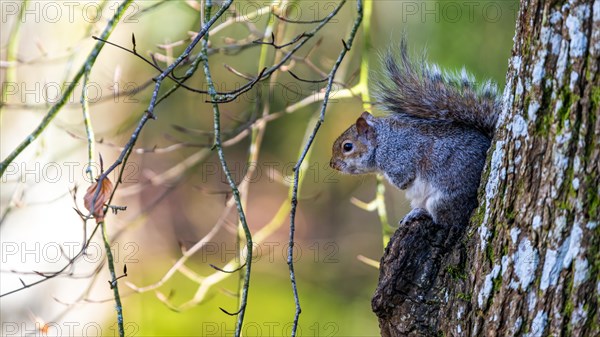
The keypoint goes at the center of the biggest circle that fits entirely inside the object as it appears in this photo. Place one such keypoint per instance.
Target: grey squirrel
(433, 142)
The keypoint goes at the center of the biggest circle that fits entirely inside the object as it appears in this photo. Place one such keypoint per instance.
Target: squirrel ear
(367, 116)
(365, 131)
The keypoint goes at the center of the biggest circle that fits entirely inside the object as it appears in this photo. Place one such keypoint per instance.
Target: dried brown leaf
(98, 207)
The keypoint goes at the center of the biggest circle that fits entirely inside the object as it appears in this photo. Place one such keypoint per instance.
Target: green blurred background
(335, 287)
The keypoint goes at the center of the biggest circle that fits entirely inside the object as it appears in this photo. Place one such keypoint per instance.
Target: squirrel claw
(414, 214)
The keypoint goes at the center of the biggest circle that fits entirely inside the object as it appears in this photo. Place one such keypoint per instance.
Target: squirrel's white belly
(422, 195)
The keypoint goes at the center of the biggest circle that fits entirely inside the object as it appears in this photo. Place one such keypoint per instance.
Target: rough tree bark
(529, 263)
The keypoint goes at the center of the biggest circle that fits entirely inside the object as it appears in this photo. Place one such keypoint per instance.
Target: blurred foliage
(325, 313)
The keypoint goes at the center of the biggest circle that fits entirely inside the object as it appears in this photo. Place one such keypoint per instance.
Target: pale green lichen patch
(488, 286)
(538, 325)
(526, 261)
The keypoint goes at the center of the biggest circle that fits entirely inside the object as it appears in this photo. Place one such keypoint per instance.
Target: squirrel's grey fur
(433, 142)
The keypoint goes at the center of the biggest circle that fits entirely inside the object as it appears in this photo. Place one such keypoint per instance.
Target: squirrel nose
(334, 164)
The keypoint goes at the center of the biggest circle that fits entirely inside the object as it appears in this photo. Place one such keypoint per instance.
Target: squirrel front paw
(414, 214)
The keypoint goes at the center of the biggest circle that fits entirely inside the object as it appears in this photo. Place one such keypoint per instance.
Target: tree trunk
(529, 263)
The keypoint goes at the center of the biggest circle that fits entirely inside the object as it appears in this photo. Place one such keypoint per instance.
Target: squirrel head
(353, 152)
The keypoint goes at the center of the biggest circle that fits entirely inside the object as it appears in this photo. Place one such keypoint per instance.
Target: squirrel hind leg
(452, 211)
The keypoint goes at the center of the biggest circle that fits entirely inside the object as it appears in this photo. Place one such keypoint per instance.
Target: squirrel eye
(347, 147)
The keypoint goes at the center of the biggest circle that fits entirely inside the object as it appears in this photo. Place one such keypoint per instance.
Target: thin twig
(89, 130)
(113, 282)
(238, 92)
(91, 59)
(294, 202)
(284, 19)
(47, 276)
(227, 271)
(232, 185)
(280, 46)
(307, 81)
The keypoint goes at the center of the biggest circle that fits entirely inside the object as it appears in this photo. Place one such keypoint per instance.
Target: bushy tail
(417, 90)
